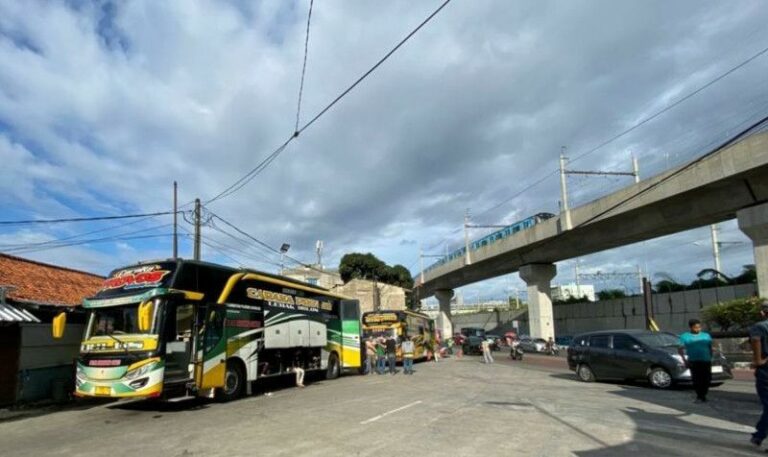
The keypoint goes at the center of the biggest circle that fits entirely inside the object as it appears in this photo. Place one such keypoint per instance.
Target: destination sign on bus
(382, 318)
(135, 278)
(281, 299)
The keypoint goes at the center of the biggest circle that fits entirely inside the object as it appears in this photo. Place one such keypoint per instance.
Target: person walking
(407, 348)
(380, 355)
(486, 346)
(370, 355)
(697, 346)
(758, 339)
(391, 349)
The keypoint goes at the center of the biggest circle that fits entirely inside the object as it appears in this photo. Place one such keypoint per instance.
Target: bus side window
(350, 310)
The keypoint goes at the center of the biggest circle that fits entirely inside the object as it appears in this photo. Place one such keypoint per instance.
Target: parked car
(636, 355)
(529, 344)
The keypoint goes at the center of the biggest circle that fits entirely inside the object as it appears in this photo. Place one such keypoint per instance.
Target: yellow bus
(400, 324)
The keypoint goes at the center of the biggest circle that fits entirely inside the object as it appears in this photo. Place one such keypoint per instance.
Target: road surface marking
(375, 418)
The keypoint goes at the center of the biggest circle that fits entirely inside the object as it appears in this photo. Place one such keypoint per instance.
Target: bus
(399, 324)
(179, 328)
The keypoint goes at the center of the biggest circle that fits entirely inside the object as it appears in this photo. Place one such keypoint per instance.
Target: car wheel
(660, 378)
(234, 383)
(585, 373)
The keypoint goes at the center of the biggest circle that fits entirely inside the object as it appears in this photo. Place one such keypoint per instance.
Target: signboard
(137, 279)
(371, 319)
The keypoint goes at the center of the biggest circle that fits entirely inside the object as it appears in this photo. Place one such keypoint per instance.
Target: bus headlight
(139, 372)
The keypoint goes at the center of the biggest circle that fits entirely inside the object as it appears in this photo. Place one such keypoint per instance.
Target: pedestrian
(436, 349)
(758, 339)
(407, 348)
(696, 351)
(370, 355)
(298, 370)
(380, 355)
(391, 349)
(486, 346)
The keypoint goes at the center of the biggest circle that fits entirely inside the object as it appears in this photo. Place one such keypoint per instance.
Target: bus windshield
(117, 320)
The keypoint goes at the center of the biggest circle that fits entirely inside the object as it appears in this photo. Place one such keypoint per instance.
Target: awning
(10, 313)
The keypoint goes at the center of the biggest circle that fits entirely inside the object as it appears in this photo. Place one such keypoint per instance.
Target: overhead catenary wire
(304, 66)
(248, 177)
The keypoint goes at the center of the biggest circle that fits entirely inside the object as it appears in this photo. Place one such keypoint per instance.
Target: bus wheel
(334, 369)
(234, 383)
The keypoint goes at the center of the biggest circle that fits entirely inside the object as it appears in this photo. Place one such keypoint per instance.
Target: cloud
(104, 105)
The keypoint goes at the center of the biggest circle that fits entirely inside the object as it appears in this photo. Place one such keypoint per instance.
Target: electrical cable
(240, 183)
(83, 219)
(304, 67)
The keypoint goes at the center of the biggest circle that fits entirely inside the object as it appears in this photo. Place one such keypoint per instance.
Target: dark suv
(634, 355)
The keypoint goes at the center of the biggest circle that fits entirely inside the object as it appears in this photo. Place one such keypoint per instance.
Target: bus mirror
(59, 322)
(145, 316)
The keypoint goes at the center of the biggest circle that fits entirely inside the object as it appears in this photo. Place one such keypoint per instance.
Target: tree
(733, 315)
(709, 277)
(367, 266)
(361, 266)
(748, 275)
(610, 294)
(668, 283)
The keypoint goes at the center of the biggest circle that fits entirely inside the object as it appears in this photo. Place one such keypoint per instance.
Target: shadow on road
(674, 435)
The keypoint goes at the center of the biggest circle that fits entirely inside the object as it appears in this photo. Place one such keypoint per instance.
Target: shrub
(737, 314)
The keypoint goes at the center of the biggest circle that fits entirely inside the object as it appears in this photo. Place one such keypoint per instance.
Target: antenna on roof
(319, 249)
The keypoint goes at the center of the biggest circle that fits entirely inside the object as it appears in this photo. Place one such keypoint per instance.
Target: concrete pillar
(540, 320)
(444, 323)
(754, 223)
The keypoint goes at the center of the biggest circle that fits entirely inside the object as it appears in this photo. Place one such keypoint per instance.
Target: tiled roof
(44, 284)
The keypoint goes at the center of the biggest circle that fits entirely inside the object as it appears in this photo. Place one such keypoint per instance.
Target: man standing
(370, 355)
(486, 346)
(407, 348)
(391, 347)
(758, 338)
(697, 345)
(380, 355)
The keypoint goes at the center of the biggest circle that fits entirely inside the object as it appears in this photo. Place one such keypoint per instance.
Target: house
(34, 366)
(373, 295)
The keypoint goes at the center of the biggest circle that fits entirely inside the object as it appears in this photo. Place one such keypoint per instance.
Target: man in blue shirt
(758, 338)
(697, 346)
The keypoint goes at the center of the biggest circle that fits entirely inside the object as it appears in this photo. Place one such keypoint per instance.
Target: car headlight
(139, 372)
(680, 361)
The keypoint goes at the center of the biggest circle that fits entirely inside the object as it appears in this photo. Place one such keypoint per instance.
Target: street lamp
(283, 249)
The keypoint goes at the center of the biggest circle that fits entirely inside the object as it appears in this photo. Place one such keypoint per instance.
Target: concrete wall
(671, 310)
(389, 297)
(496, 322)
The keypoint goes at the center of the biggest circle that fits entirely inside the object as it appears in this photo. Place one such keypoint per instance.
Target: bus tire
(234, 382)
(334, 369)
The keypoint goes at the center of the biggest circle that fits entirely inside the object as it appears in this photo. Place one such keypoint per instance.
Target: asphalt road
(454, 408)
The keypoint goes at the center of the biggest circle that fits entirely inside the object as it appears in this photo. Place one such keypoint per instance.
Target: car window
(599, 341)
(623, 342)
(580, 341)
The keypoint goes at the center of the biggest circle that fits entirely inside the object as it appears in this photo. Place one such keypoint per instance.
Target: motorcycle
(516, 353)
(553, 350)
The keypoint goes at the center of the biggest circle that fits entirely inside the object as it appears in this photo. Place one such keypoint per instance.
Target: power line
(53, 244)
(248, 177)
(83, 219)
(669, 107)
(304, 67)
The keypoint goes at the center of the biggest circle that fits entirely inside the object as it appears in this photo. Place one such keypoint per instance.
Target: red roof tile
(45, 284)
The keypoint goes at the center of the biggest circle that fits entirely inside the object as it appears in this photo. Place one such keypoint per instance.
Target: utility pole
(319, 247)
(565, 213)
(640, 278)
(421, 263)
(635, 169)
(578, 284)
(715, 247)
(196, 255)
(468, 259)
(175, 221)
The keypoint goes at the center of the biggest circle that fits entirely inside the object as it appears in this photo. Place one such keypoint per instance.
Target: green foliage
(667, 285)
(748, 275)
(610, 294)
(571, 300)
(736, 314)
(367, 266)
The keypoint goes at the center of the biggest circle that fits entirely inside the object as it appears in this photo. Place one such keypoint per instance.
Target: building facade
(567, 291)
(34, 366)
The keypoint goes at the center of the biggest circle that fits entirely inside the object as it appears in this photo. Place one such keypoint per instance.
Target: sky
(104, 104)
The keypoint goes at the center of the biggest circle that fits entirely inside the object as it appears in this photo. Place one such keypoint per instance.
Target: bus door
(211, 348)
(351, 353)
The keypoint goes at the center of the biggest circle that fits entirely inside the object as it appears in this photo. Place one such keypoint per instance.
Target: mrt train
(493, 237)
